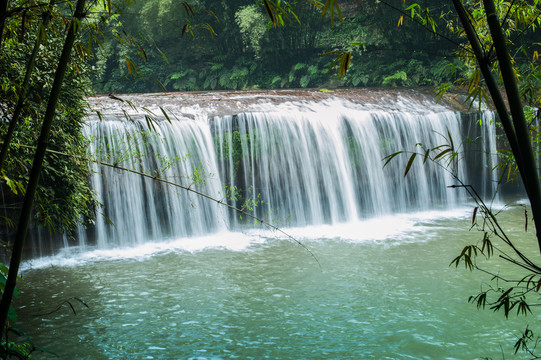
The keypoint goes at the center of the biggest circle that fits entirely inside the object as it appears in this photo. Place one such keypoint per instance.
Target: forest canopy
(164, 47)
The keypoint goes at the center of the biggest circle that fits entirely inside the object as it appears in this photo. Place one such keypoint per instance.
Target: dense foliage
(64, 197)
(239, 48)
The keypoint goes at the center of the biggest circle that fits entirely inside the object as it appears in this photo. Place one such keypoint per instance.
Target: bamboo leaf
(325, 7)
(45, 351)
(345, 60)
(388, 158)
(162, 87)
(163, 54)
(148, 111)
(295, 16)
(100, 116)
(410, 162)
(150, 122)
(270, 12)
(212, 13)
(165, 114)
(427, 153)
(441, 154)
(72, 308)
(450, 140)
(317, 4)
(131, 66)
(333, 64)
(188, 9)
(333, 52)
(337, 7)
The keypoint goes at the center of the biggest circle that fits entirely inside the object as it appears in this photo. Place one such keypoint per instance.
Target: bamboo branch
(188, 189)
(525, 153)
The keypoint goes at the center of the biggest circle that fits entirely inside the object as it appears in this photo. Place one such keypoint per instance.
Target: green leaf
(317, 4)
(162, 87)
(3, 269)
(165, 114)
(16, 331)
(188, 9)
(150, 122)
(12, 315)
(388, 158)
(270, 13)
(474, 215)
(332, 6)
(344, 64)
(442, 154)
(410, 162)
(427, 153)
(450, 139)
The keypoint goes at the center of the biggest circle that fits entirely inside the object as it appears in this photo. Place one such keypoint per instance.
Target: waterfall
(140, 208)
(292, 162)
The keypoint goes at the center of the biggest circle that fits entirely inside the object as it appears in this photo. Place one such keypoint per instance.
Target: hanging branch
(189, 189)
(3, 16)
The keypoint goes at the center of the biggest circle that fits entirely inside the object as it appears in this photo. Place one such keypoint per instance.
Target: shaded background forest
(247, 52)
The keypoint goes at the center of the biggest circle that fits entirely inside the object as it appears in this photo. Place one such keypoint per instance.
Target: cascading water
(139, 207)
(294, 162)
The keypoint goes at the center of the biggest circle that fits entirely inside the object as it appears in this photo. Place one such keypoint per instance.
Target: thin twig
(189, 189)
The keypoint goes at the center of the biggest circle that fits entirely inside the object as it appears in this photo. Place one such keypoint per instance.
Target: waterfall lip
(188, 105)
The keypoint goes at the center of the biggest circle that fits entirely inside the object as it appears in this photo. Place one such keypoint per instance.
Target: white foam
(397, 228)
(373, 229)
(73, 256)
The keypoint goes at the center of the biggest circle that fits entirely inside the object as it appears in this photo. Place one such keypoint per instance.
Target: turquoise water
(386, 294)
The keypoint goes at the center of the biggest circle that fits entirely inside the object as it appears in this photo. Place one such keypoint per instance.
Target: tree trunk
(3, 17)
(37, 165)
(515, 127)
(23, 92)
(525, 152)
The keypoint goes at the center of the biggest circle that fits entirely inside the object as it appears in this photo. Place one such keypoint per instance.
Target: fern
(216, 66)
(298, 66)
(305, 80)
(275, 80)
(312, 70)
(224, 79)
(393, 79)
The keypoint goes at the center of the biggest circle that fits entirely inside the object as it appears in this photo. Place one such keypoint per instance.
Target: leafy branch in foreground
(37, 163)
(189, 28)
(243, 210)
(503, 294)
(220, 202)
